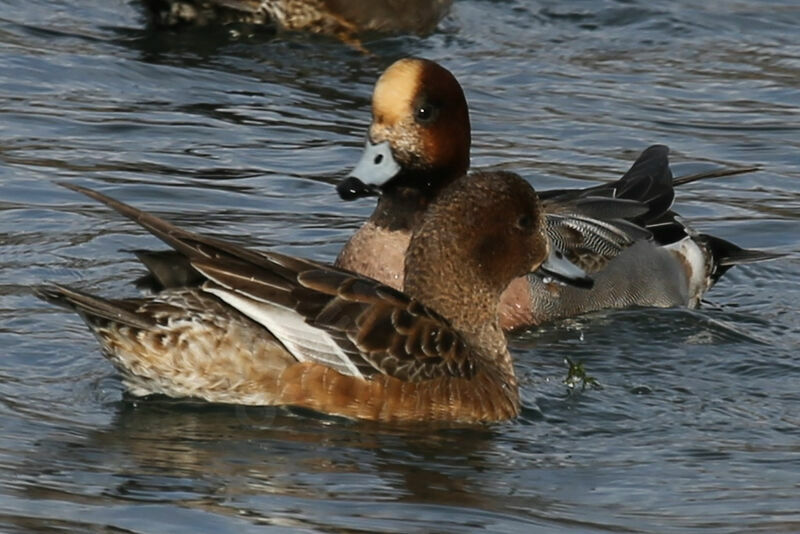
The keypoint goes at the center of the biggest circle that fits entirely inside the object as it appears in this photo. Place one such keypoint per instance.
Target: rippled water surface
(697, 424)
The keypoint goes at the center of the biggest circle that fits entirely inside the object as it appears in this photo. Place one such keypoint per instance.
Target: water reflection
(231, 460)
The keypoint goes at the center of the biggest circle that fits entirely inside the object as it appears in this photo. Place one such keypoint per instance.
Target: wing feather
(350, 323)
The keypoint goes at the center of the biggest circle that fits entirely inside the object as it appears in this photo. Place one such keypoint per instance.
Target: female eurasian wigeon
(623, 233)
(269, 329)
(341, 18)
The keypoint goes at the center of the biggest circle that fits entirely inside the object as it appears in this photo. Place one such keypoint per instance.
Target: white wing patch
(305, 342)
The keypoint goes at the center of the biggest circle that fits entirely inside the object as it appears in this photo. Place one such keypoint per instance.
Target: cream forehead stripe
(395, 91)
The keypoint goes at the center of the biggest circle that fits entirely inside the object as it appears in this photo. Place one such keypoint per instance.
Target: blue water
(697, 425)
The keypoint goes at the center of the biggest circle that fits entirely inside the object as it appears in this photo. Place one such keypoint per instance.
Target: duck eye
(425, 113)
(525, 222)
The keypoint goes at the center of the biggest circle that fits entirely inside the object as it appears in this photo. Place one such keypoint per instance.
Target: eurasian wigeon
(269, 329)
(622, 233)
(344, 19)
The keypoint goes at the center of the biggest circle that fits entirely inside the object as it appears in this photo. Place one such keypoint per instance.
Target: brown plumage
(270, 329)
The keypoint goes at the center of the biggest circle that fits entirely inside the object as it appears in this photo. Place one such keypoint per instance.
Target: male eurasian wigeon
(623, 233)
(341, 18)
(268, 329)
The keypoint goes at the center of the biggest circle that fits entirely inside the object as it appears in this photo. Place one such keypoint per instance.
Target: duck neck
(401, 208)
(457, 291)
(406, 197)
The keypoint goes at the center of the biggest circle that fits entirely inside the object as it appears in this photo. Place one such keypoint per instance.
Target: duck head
(419, 138)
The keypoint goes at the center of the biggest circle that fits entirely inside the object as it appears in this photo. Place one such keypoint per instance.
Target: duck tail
(92, 308)
(718, 173)
(726, 254)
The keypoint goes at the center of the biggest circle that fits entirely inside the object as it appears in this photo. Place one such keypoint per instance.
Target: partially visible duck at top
(622, 233)
(263, 328)
(344, 19)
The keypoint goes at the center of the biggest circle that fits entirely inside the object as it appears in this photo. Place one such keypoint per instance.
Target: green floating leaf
(577, 376)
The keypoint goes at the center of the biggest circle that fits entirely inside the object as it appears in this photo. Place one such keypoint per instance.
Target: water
(697, 424)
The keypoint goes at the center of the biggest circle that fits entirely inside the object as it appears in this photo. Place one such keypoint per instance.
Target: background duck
(624, 234)
(340, 18)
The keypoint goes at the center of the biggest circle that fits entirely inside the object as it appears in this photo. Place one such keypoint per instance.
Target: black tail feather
(726, 254)
(718, 173)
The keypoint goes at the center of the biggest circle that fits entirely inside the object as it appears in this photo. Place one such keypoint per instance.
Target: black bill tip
(352, 188)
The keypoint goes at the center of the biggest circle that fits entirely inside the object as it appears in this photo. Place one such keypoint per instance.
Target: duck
(270, 329)
(344, 19)
(624, 234)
